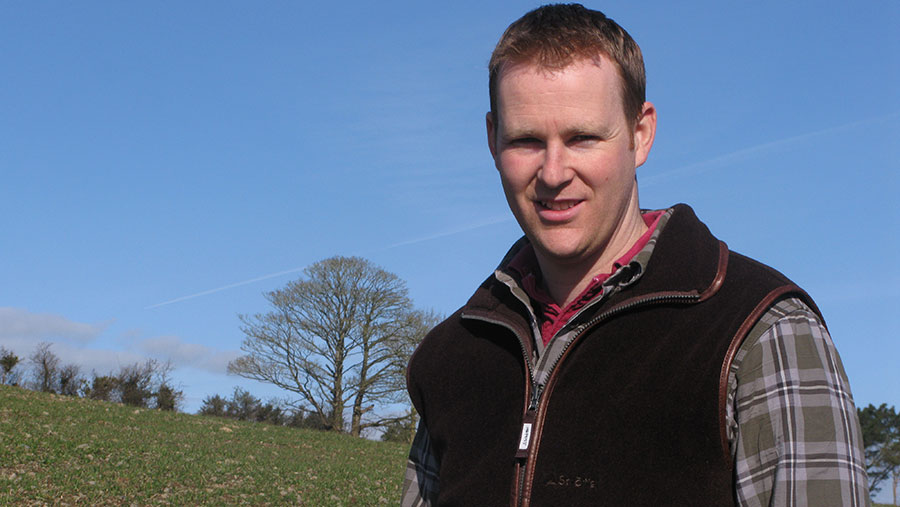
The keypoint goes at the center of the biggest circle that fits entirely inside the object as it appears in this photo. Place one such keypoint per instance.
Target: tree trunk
(896, 481)
(357, 418)
(337, 404)
(413, 425)
(356, 421)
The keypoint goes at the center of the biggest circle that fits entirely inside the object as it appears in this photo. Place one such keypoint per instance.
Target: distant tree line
(145, 385)
(881, 436)
(243, 406)
(148, 385)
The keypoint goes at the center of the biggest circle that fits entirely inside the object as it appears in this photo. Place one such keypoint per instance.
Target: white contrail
(225, 287)
(744, 153)
(458, 230)
(499, 219)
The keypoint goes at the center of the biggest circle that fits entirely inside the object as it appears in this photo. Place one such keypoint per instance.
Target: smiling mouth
(558, 205)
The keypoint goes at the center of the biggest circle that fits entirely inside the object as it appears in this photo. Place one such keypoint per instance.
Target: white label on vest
(526, 436)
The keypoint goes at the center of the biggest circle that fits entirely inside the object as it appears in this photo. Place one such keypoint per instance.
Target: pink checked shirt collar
(552, 318)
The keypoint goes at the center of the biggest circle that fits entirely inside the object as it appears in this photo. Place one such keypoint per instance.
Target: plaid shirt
(792, 425)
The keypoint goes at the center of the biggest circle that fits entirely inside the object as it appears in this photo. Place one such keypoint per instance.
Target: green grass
(63, 450)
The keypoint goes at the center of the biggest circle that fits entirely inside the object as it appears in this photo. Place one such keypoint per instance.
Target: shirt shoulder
(792, 423)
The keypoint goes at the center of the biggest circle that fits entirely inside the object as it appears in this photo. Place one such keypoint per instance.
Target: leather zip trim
(720, 273)
(761, 308)
(516, 491)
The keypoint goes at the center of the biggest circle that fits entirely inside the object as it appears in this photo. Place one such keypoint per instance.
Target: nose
(555, 172)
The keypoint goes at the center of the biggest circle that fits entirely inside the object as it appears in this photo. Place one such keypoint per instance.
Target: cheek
(513, 188)
(510, 163)
(613, 172)
(514, 175)
(514, 199)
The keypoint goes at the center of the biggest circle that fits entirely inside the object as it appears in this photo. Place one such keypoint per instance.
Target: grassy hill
(63, 450)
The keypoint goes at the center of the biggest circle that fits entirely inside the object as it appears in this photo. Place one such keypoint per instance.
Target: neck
(566, 279)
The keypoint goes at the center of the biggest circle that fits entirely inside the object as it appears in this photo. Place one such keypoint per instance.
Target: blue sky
(163, 164)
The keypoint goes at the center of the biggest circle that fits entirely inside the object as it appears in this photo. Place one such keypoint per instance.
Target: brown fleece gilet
(632, 414)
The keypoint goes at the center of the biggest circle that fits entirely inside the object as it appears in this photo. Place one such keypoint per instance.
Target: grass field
(63, 450)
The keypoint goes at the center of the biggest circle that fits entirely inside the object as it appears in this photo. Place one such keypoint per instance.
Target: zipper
(525, 440)
(528, 422)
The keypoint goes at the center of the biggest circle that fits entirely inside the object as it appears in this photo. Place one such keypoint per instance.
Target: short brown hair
(555, 36)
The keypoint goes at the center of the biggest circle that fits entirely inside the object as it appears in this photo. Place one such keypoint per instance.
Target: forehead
(585, 83)
(551, 63)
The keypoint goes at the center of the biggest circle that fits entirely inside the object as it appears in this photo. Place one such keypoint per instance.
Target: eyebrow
(602, 131)
(514, 133)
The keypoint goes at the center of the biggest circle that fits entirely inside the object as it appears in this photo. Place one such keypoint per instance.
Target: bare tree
(44, 367)
(8, 361)
(333, 338)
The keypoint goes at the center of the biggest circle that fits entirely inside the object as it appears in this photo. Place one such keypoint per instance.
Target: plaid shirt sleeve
(421, 481)
(793, 427)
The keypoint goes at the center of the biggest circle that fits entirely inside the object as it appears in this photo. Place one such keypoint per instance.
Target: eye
(525, 142)
(582, 139)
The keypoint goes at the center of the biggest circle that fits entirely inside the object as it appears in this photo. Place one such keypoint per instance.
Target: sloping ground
(63, 450)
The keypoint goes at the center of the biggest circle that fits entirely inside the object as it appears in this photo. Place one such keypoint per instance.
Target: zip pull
(528, 423)
(525, 437)
(535, 397)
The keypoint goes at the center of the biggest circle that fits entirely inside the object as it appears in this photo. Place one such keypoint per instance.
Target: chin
(558, 251)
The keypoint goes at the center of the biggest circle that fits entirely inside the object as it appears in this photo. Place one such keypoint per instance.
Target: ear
(491, 134)
(644, 133)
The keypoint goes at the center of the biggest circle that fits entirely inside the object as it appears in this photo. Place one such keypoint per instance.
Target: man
(619, 356)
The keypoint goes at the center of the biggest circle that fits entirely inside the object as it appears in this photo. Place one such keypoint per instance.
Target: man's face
(567, 159)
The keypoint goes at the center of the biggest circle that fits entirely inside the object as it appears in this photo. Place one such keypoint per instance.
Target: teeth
(558, 205)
